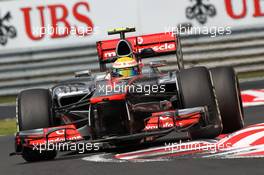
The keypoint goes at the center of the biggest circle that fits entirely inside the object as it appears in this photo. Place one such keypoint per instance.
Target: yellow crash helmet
(125, 67)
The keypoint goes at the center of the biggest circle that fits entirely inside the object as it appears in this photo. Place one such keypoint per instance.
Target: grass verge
(250, 75)
(7, 126)
(8, 100)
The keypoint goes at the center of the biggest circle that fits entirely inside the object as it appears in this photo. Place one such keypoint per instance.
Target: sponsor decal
(60, 26)
(200, 11)
(57, 23)
(7, 31)
(159, 122)
(240, 14)
(166, 47)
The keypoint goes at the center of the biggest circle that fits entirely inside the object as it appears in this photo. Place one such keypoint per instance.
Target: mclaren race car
(130, 101)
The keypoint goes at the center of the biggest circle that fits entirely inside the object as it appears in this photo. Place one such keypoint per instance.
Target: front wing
(160, 125)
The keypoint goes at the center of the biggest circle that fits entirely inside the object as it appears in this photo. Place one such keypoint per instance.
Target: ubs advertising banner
(33, 24)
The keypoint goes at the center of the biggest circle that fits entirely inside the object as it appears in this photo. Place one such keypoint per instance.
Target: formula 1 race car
(132, 102)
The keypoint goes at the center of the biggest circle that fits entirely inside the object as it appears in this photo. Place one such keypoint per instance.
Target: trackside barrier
(43, 68)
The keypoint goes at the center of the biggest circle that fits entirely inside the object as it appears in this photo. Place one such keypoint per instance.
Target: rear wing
(160, 43)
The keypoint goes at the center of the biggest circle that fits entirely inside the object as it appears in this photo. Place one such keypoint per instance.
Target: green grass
(251, 75)
(8, 100)
(7, 127)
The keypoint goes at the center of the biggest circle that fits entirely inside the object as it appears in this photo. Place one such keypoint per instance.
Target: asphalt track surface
(73, 164)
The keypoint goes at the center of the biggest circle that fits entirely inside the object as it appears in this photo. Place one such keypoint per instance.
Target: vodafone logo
(167, 125)
(60, 132)
(151, 127)
(140, 40)
(164, 118)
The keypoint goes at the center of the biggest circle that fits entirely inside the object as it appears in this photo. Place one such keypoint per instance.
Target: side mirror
(149, 52)
(85, 73)
(160, 63)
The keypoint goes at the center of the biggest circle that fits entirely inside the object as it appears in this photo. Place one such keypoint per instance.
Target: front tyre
(31, 155)
(34, 112)
(196, 90)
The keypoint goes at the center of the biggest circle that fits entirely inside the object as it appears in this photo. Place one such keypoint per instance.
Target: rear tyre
(34, 112)
(196, 89)
(229, 98)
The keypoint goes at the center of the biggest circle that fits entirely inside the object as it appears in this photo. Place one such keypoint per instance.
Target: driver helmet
(125, 67)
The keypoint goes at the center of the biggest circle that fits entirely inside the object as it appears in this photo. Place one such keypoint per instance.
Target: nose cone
(123, 48)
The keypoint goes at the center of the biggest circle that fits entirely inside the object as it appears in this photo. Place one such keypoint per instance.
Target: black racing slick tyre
(31, 155)
(34, 109)
(196, 89)
(34, 112)
(229, 98)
